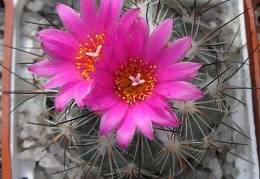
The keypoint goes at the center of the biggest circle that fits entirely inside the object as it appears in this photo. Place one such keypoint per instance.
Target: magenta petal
(183, 71)
(126, 130)
(101, 99)
(120, 42)
(164, 117)
(128, 17)
(64, 96)
(109, 12)
(117, 58)
(175, 52)
(103, 14)
(157, 101)
(121, 38)
(72, 22)
(165, 123)
(112, 118)
(81, 91)
(58, 44)
(160, 116)
(142, 121)
(62, 79)
(158, 40)
(179, 90)
(88, 13)
(138, 37)
(103, 78)
(48, 68)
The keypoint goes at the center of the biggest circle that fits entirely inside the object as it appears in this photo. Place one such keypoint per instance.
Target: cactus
(175, 152)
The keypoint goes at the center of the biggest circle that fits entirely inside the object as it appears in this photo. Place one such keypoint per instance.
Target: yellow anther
(135, 80)
(89, 52)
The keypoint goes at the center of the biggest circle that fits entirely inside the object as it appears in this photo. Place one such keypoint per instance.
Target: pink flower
(74, 52)
(134, 81)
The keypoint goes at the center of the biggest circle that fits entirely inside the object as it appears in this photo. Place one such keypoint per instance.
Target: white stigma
(136, 80)
(96, 53)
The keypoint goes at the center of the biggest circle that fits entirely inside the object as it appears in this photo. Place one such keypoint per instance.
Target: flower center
(135, 80)
(89, 53)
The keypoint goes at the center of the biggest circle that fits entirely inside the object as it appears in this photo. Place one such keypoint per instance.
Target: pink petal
(72, 22)
(158, 40)
(160, 116)
(103, 14)
(164, 117)
(105, 62)
(175, 52)
(126, 130)
(128, 17)
(119, 46)
(81, 91)
(142, 121)
(183, 71)
(112, 118)
(157, 101)
(103, 78)
(59, 44)
(138, 38)
(109, 13)
(62, 79)
(88, 13)
(48, 68)
(64, 96)
(179, 90)
(120, 42)
(101, 99)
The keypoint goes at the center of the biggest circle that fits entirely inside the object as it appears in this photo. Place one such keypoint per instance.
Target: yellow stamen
(131, 88)
(89, 53)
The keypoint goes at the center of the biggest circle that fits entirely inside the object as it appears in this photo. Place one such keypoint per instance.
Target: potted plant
(212, 132)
